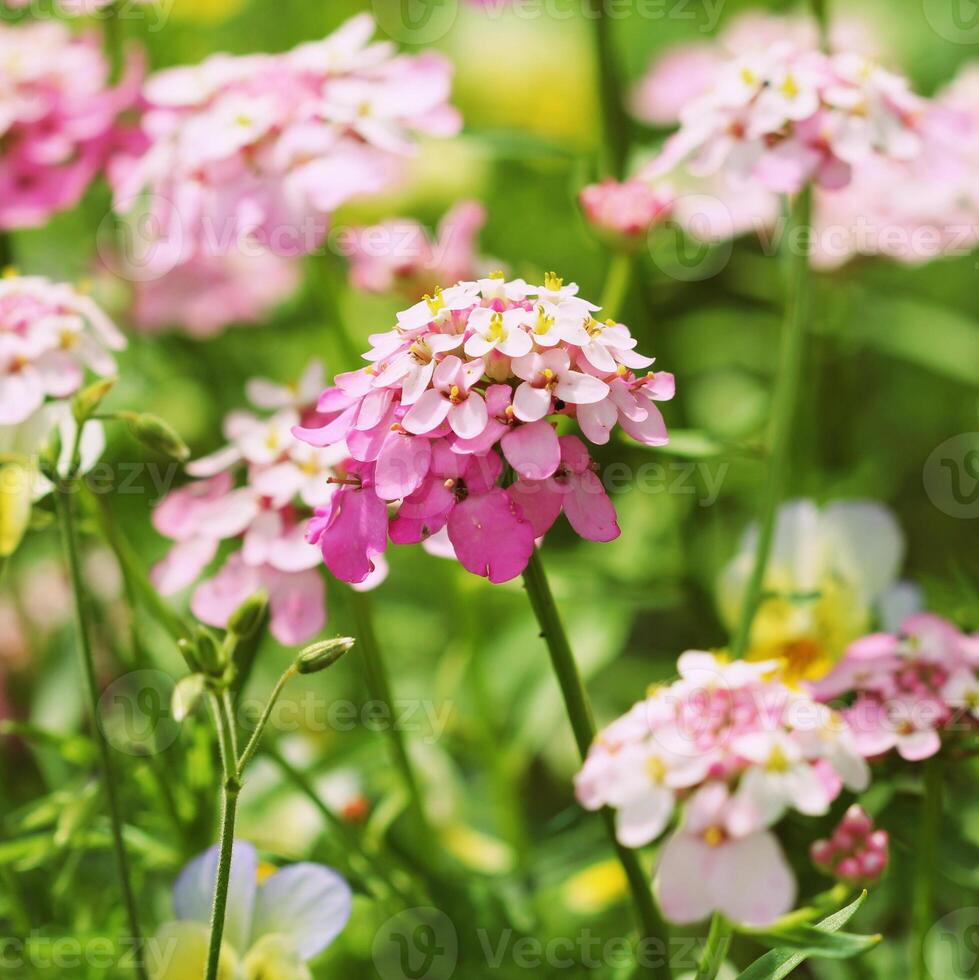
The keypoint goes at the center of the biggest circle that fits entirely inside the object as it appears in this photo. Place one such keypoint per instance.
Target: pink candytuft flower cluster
(267, 146)
(212, 292)
(400, 256)
(58, 118)
(906, 687)
(451, 429)
(789, 115)
(625, 209)
(733, 749)
(266, 515)
(856, 853)
(50, 335)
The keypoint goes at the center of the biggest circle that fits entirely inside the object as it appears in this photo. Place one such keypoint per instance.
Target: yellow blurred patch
(179, 952)
(15, 505)
(596, 888)
(265, 870)
(206, 11)
(477, 850)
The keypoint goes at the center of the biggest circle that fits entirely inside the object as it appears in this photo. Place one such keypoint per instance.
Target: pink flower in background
(58, 118)
(470, 381)
(400, 255)
(266, 147)
(267, 515)
(685, 72)
(908, 687)
(625, 208)
(787, 115)
(51, 335)
(211, 292)
(856, 853)
(734, 749)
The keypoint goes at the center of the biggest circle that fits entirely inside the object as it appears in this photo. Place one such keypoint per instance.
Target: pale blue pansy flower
(274, 925)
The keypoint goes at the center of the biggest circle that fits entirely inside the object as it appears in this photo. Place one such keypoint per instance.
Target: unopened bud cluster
(856, 853)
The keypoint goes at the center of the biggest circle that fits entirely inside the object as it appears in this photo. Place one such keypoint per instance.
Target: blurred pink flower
(627, 209)
(907, 687)
(786, 116)
(473, 377)
(736, 749)
(267, 516)
(58, 118)
(400, 255)
(266, 147)
(210, 292)
(50, 335)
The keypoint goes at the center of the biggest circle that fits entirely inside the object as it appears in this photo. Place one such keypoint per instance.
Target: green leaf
(781, 962)
(941, 340)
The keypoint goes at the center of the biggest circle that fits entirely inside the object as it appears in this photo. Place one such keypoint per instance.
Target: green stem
(379, 686)
(784, 401)
(231, 790)
(820, 12)
(579, 712)
(114, 42)
(66, 517)
(8, 260)
(256, 738)
(715, 952)
(617, 282)
(928, 831)
(615, 122)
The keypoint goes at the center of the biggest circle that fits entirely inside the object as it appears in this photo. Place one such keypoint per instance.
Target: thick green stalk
(582, 721)
(928, 830)
(715, 952)
(66, 518)
(379, 686)
(784, 401)
(617, 283)
(231, 791)
(820, 12)
(615, 121)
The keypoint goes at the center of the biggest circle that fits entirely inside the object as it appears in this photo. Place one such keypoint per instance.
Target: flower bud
(156, 434)
(189, 652)
(210, 655)
(89, 399)
(856, 853)
(248, 617)
(319, 656)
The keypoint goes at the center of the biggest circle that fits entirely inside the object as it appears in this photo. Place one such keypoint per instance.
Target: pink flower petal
(589, 510)
(402, 465)
(428, 413)
(532, 450)
(490, 536)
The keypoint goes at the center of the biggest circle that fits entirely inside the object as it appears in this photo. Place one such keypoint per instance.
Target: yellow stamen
(548, 374)
(655, 769)
(435, 302)
(748, 76)
(790, 88)
(621, 369)
(495, 331)
(777, 762)
(553, 282)
(499, 274)
(454, 393)
(713, 836)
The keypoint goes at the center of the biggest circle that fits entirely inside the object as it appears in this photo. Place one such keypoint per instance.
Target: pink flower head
(788, 115)
(267, 147)
(58, 118)
(856, 853)
(734, 749)
(50, 336)
(210, 292)
(907, 687)
(260, 492)
(400, 255)
(453, 426)
(625, 209)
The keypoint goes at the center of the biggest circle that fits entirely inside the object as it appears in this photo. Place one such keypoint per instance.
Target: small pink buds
(857, 853)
